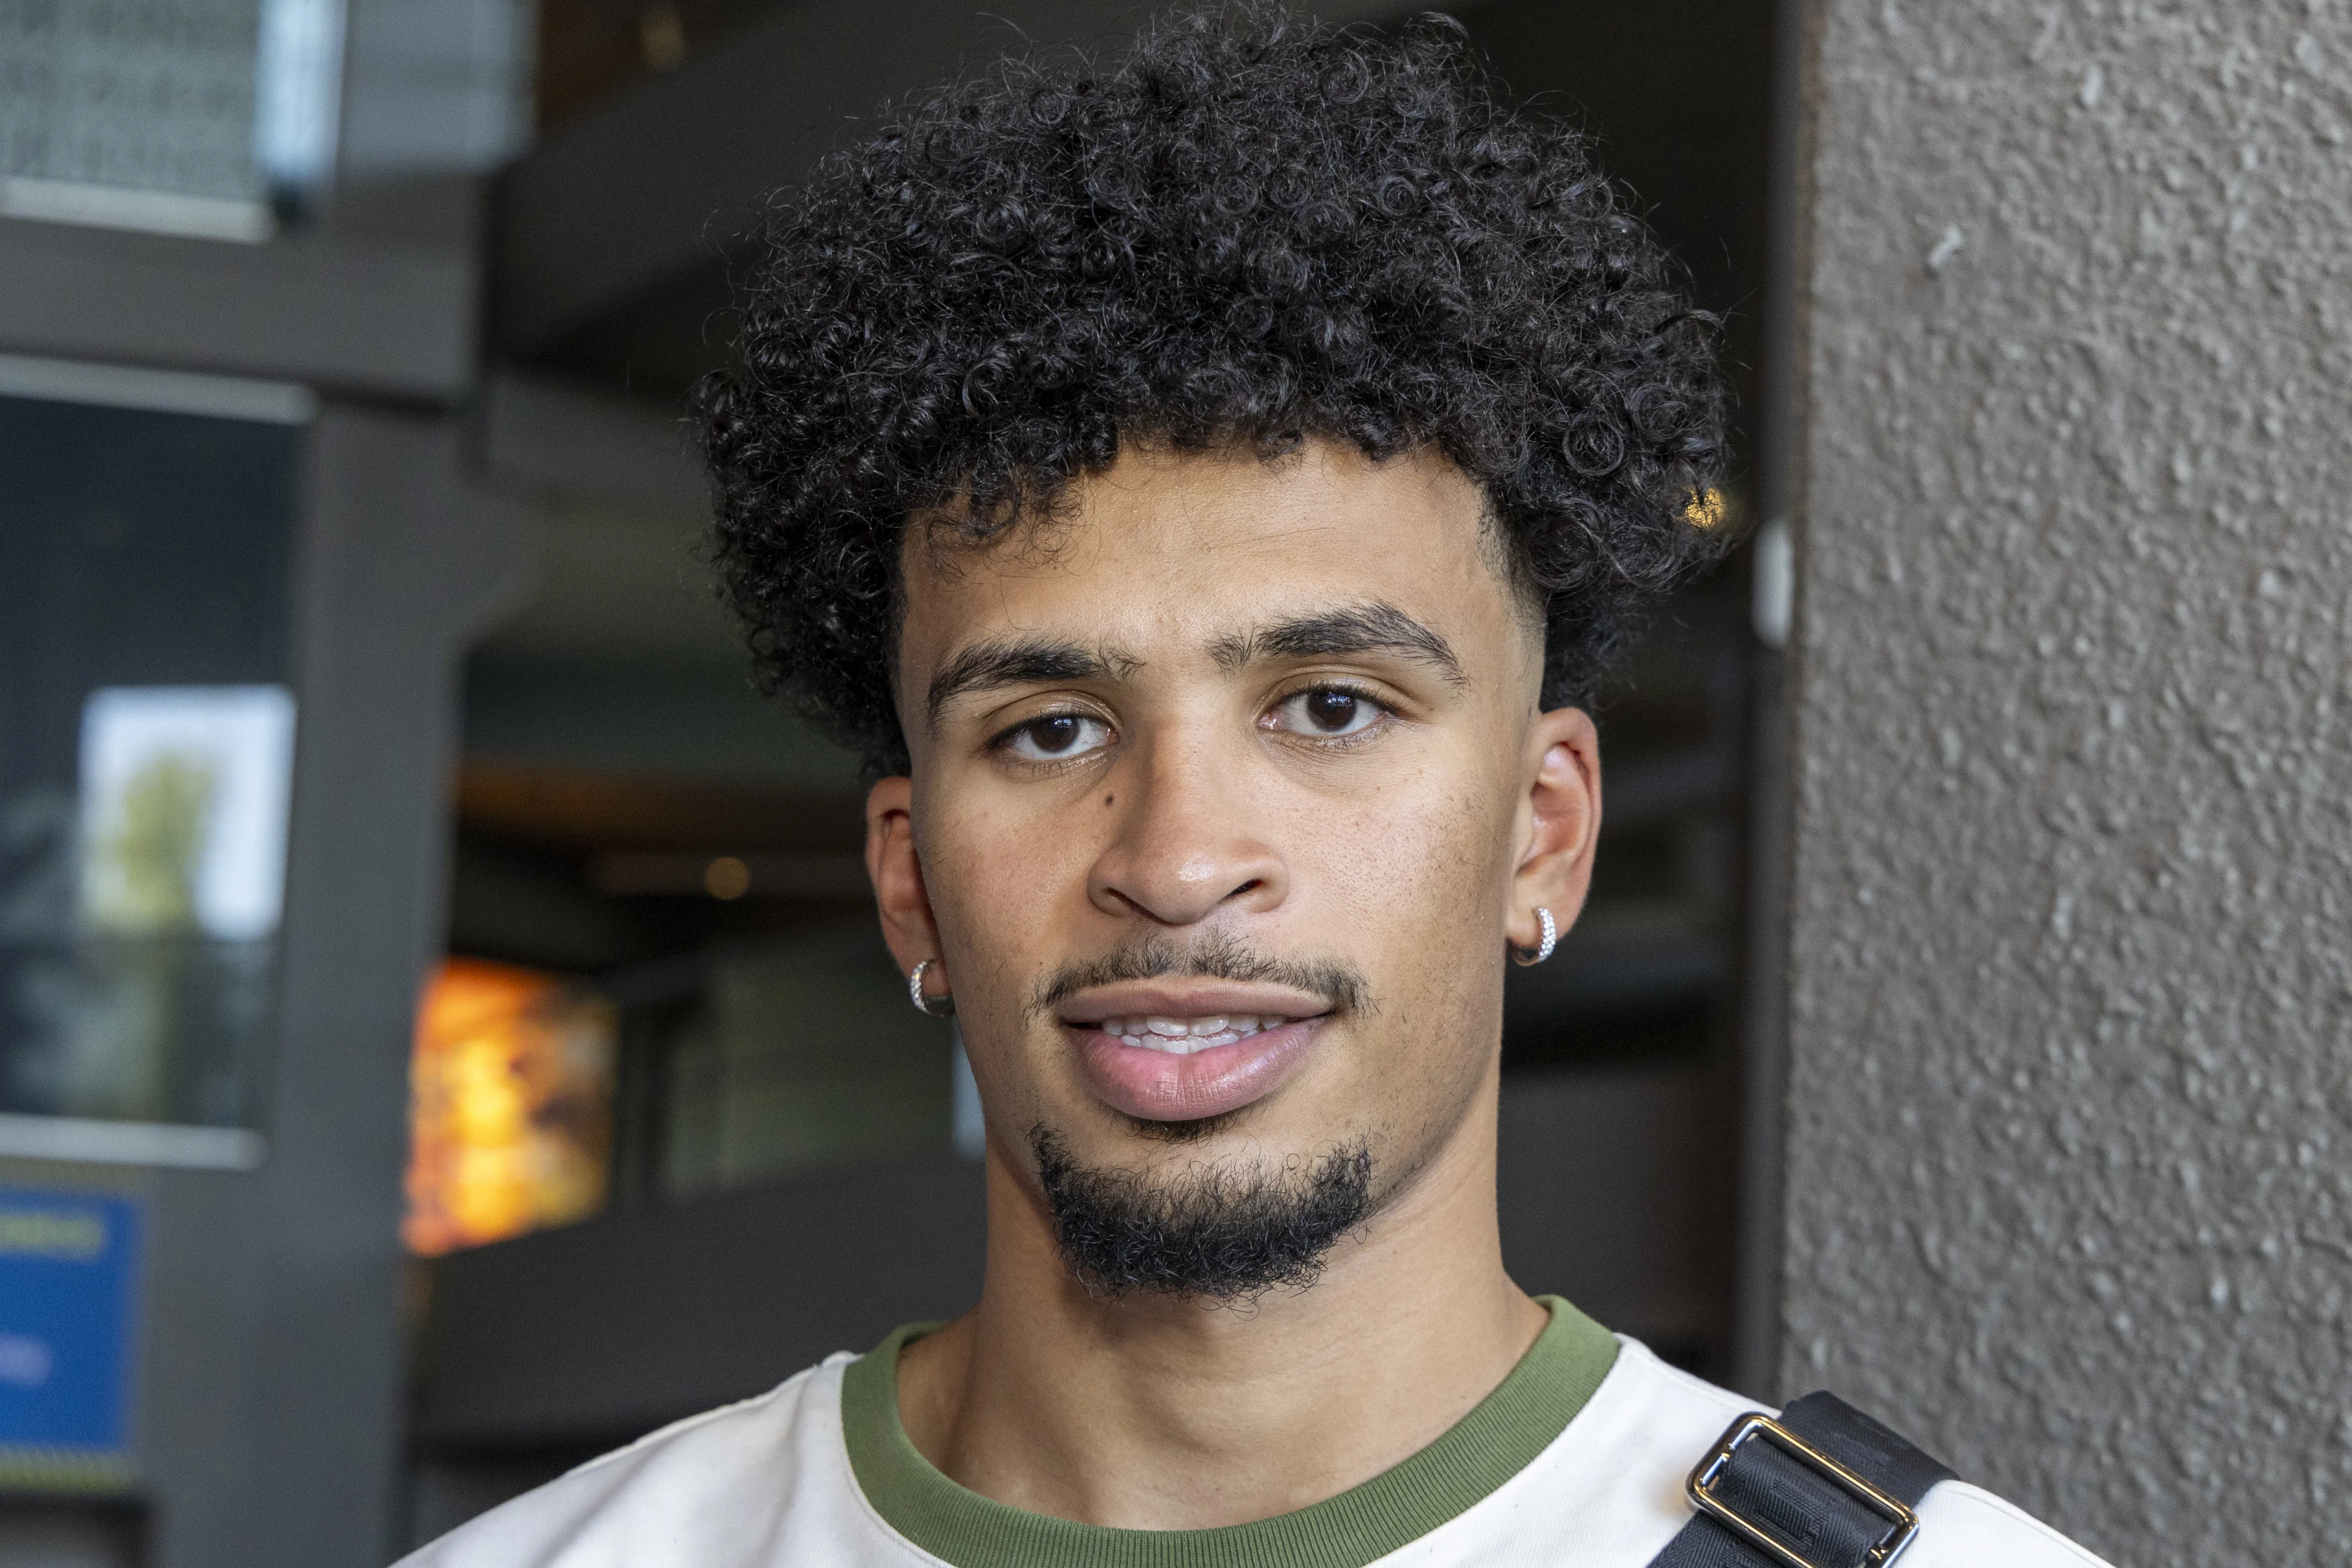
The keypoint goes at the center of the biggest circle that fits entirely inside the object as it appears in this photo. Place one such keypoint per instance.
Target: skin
(1185, 789)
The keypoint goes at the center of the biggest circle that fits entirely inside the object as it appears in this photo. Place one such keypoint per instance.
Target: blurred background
(443, 1028)
(443, 1032)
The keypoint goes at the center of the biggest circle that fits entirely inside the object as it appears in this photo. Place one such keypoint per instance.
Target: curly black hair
(1251, 230)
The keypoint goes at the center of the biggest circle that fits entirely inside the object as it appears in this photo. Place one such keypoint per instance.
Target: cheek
(1410, 897)
(1415, 867)
(999, 881)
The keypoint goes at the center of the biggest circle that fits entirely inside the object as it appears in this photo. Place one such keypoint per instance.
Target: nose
(1184, 843)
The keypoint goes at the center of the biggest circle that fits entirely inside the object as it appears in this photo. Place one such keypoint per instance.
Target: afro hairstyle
(1249, 230)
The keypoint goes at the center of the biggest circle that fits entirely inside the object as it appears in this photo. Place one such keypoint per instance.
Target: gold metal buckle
(1902, 1523)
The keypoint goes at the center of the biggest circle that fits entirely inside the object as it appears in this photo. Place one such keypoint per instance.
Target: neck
(1167, 1414)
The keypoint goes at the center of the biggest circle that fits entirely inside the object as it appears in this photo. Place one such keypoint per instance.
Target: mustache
(1220, 955)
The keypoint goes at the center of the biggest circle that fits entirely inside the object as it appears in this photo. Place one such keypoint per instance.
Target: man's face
(1226, 790)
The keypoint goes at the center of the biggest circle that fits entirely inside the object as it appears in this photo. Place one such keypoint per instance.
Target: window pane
(146, 746)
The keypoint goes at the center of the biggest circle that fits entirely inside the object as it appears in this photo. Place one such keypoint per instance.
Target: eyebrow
(1374, 627)
(1377, 626)
(1023, 661)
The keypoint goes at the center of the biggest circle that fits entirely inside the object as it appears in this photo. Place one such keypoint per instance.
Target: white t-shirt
(769, 1482)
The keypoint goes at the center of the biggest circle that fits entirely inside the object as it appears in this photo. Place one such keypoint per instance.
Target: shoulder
(702, 1492)
(1616, 1476)
(1961, 1526)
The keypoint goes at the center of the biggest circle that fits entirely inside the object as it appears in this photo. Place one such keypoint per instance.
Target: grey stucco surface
(2070, 1159)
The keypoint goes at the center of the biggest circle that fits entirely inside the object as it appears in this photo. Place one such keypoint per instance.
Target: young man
(1209, 490)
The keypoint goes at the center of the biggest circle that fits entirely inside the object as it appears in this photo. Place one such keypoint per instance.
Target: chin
(1222, 1230)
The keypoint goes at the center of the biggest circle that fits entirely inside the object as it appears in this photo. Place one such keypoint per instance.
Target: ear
(898, 891)
(1560, 824)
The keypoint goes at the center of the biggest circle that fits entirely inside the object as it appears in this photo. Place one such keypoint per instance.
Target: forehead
(1192, 549)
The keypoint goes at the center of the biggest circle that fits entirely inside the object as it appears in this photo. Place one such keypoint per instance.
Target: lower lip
(1160, 1086)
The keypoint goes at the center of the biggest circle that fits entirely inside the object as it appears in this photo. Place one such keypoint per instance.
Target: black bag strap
(1823, 1487)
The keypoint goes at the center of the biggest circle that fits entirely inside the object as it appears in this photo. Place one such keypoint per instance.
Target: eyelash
(1002, 743)
(1386, 711)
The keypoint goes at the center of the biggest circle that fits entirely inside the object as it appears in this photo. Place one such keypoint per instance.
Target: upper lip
(1174, 998)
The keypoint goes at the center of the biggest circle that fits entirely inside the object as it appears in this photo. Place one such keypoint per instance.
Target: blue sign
(69, 1318)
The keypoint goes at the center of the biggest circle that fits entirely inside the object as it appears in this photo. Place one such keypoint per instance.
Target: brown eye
(1328, 712)
(1055, 737)
(1331, 711)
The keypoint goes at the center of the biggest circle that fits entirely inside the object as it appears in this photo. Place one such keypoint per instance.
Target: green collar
(1486, 1447)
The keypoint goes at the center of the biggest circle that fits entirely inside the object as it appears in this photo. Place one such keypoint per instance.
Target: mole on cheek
(1107, 799)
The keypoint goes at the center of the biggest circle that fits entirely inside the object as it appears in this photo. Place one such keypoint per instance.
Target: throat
(1220, 1435)
(1158, 1411)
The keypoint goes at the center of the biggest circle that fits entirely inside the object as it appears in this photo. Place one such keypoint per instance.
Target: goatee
(1223, 1232)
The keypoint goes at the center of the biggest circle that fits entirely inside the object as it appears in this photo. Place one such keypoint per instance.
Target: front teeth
(1182, 1036)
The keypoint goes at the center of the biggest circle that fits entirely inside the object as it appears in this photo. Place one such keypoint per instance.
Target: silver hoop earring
(929, 1007)
(1541, 951)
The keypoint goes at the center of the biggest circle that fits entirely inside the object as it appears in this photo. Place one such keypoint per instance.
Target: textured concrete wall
(2070, 1174)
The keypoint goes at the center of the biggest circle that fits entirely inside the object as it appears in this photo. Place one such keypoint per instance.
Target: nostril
(1252, 884)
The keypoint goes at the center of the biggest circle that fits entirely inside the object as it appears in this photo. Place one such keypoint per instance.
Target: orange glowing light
(511, 1106)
